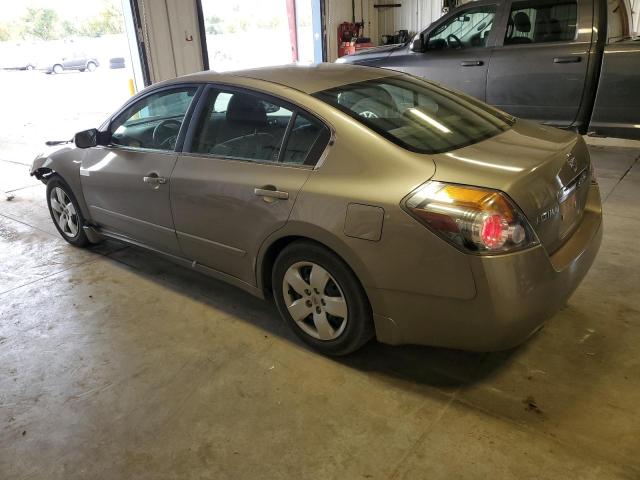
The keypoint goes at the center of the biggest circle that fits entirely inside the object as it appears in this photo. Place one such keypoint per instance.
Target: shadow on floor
(429, 366)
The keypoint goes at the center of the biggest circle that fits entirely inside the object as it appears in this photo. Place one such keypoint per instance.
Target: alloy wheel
(64, 213)
(315, 300)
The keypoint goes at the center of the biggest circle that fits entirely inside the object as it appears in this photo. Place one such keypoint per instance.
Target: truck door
(538, 68)
(456, 51)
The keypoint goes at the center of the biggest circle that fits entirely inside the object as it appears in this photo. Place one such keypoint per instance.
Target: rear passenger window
(241, 125)
(248, 126)
(541, 21)
(304, 136)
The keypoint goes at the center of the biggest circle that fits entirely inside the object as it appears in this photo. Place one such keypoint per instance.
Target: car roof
(305, 78)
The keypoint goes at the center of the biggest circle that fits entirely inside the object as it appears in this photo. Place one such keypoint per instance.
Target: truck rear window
(417, 115)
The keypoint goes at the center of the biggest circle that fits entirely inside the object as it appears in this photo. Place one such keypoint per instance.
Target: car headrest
(246, 108)
(554, 27)
(522, 22)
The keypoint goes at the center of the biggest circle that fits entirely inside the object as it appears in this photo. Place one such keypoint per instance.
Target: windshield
(417, 115)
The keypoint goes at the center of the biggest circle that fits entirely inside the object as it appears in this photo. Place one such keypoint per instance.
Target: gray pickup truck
(567, 63)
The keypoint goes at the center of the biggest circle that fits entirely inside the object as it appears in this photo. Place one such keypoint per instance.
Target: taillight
(476, 220)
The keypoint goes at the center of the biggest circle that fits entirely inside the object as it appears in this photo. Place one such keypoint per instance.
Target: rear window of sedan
(417, 115)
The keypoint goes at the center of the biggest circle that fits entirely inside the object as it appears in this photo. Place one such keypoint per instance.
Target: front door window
(153, 122)
(470, 28)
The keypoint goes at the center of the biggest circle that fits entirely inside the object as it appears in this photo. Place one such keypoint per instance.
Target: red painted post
(293, 29)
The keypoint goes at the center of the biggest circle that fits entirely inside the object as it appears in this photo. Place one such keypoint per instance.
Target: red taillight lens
(494, 231)
(475, 219)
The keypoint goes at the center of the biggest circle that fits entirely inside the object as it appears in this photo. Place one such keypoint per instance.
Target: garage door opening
(64, 67)
(257, 33)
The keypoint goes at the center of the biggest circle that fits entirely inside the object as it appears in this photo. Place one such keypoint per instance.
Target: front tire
(321, 299)
(65, 212)
(58, 69)
(91, 66)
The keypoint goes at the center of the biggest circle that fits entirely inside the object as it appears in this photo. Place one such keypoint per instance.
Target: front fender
(64, 161)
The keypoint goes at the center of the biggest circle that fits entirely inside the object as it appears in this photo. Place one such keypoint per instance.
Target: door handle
(570, 59)
(154, 179)
(269, 191)
(472, 63)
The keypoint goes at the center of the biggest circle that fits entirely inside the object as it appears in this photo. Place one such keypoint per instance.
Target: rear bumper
(515, 295)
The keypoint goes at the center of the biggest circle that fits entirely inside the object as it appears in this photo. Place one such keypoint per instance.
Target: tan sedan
(364, 201)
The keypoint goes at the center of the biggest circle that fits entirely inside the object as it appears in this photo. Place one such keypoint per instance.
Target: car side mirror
(417, 45)
(91, 138)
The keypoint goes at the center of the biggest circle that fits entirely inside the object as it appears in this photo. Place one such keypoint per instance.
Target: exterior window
(241, 125)
(153, 122)
(541, 21)
(469, 29)
(417, 115)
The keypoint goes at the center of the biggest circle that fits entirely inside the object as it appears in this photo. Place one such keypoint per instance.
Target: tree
(6, 32)
(40, 23)
(108, 21)
(111, 19)
(213, 25)
(69, 29)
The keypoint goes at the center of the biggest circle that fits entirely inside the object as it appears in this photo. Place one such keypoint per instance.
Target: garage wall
(338, 11)
(635, 16)
(413, 15)
(170, 29)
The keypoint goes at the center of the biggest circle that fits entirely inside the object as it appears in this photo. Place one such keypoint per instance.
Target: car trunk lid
(546, 171)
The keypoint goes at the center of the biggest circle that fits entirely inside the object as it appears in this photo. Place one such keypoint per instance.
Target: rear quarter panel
(363, 168)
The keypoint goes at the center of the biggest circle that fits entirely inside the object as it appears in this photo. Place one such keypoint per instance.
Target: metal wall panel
(413, 15)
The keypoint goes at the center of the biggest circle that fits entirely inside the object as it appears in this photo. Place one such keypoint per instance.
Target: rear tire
(321, 299)
(91, 66)
(58, 69)
(65, 212)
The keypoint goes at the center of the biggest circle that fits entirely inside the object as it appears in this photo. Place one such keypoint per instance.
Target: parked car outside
(568, 63)
(364, 201)
(79, 61)
(19, 64)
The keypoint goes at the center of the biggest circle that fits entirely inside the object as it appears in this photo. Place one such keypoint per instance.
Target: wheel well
(43, 174)
(278, 246)
(270, 258)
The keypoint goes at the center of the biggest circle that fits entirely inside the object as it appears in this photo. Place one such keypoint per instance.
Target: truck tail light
(476, 220)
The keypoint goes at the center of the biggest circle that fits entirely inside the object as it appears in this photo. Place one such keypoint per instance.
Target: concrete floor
(117, 364)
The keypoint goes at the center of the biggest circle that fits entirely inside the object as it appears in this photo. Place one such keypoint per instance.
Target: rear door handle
(570, 59)
(270, 191)
(154, 179)
(472, 63)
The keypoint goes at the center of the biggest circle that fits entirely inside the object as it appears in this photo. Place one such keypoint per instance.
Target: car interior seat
(519, 24)
(300, 141)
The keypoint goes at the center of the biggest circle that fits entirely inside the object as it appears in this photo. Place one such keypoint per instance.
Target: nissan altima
(365, 202)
